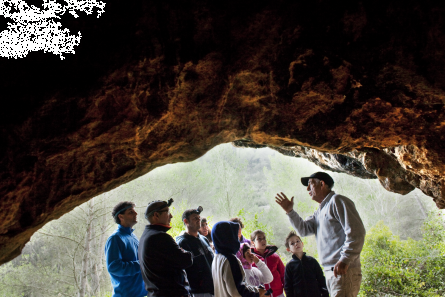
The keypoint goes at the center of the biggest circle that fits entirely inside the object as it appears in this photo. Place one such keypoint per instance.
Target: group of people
(223, 263)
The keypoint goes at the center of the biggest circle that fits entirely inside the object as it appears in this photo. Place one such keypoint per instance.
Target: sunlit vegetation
(395, 267)
(404, 253)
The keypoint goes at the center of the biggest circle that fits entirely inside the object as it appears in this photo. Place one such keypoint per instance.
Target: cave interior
(353, 86)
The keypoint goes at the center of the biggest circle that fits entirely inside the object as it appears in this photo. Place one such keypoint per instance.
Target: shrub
(394, 267)
(252, 223)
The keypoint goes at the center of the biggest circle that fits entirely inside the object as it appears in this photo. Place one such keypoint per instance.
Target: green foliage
(394, 267)
(434, 231)
(177, 225)
(251, 223)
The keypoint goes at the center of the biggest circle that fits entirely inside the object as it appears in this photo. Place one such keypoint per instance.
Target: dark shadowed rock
(356, 87)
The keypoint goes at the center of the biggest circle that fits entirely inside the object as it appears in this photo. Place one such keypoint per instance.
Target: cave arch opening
(228, 181)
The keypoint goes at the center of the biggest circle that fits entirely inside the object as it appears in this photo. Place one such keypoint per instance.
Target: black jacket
(162, 263)
(304, 278)
(199, 274)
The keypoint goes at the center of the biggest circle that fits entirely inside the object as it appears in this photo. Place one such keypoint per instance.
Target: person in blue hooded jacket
(121, 253)
(227, 271)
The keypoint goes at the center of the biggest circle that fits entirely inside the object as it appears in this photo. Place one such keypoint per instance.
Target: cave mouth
(228, 181)
(387, 166)
(231, 179)
(356, 87)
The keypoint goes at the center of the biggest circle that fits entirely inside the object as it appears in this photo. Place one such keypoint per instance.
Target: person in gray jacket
(338, 229)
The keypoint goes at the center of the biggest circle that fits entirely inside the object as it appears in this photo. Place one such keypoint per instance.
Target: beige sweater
(223, 282)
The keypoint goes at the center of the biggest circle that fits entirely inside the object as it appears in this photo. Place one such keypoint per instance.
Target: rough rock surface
(354, 86)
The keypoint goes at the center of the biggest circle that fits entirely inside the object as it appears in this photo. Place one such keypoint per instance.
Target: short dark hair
(255, 233)
(245, 247)
(237, 220)
(203, 220)
(153, 207)
(188, 213)
(120, 206)
(289, 236)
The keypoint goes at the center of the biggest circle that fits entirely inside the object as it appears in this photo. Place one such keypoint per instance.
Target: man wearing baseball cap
(338, 229)
(200, 273)
(162, 260)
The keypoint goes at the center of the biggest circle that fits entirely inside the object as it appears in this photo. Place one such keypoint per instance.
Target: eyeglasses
(260, 238)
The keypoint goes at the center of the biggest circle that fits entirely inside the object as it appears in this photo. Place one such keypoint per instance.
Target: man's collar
(125, 229)
(326, 199)
(197, 235)
(159, 227)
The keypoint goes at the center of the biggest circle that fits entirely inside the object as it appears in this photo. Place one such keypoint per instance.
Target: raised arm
(115, 264)
(304, 227)
(264, 273)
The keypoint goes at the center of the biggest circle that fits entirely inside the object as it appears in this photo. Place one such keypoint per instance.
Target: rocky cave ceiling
(356, 87)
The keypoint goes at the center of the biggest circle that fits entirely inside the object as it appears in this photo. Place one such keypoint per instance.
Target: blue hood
(226, 242)
(225, 237)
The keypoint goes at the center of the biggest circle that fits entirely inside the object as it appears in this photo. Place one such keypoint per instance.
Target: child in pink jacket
(267, 253)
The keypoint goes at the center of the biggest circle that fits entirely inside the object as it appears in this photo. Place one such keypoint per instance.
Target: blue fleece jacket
(121, 253)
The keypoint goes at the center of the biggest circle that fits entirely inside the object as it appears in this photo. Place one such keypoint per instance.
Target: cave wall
(357, 87)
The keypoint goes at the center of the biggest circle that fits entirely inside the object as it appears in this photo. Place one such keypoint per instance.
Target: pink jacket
(276, 266)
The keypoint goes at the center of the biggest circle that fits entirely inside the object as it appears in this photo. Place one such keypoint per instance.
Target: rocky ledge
(356, 87)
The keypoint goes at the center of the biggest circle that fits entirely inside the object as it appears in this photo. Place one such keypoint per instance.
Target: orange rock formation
(355, 86)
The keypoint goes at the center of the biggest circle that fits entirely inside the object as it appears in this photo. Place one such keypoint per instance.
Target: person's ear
(185, 221)
(287, 249)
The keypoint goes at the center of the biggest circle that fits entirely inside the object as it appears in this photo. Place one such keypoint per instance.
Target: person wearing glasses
(339, 231)
(200, 273)
(121, 254)
(162, 261)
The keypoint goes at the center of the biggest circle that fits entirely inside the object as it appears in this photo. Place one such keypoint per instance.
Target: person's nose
(171, 216)
(308, 187)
